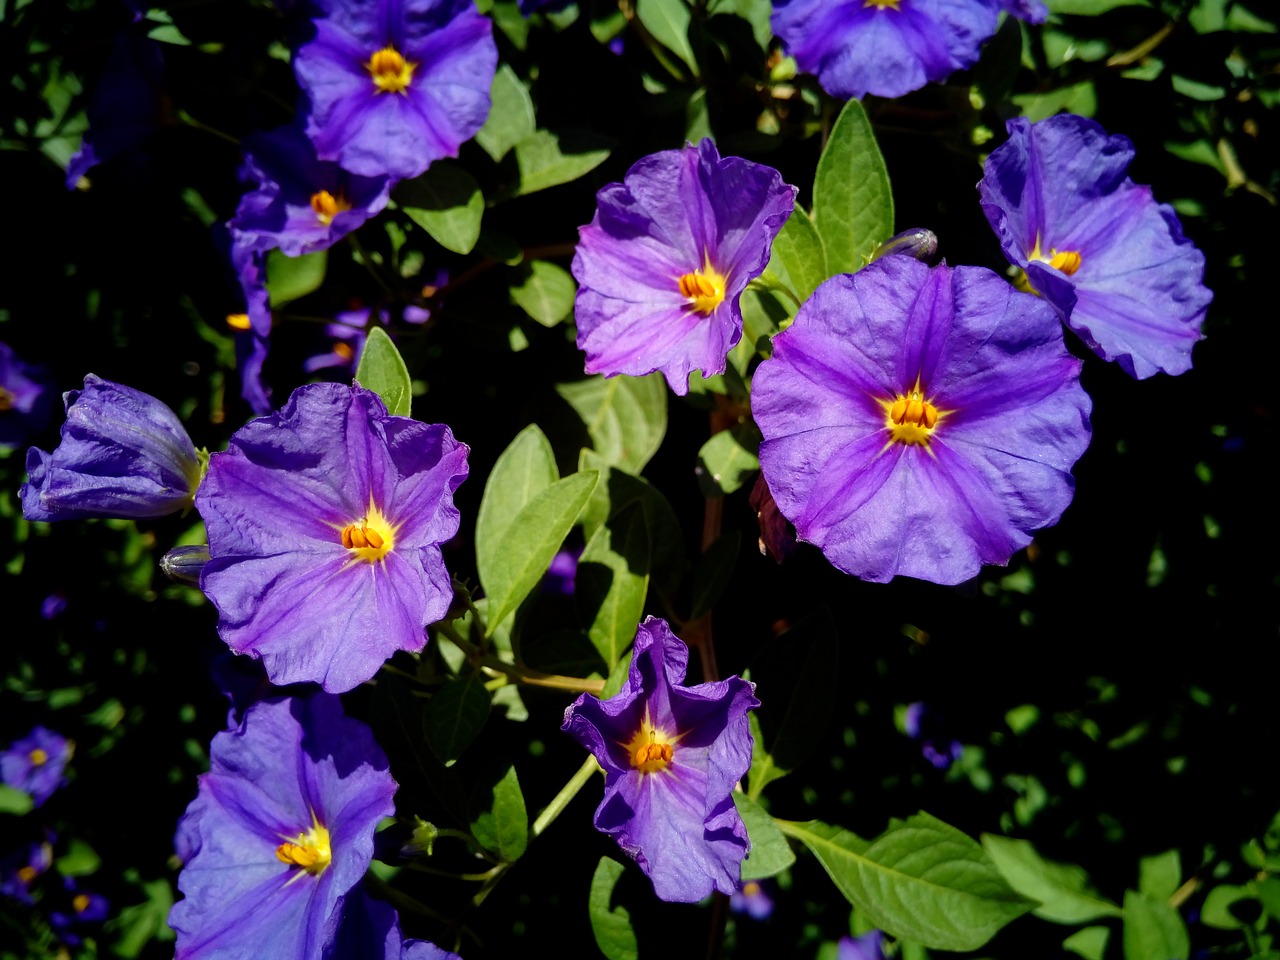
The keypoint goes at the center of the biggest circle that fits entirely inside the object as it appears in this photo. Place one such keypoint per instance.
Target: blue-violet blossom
(36, 763)
(886, 47)
(280, 832)
(26, 395)
(123, 454)
(396, 84)
(668, 253)
(1096, 245)
(325, 522)
(671, 756)
(920, 421)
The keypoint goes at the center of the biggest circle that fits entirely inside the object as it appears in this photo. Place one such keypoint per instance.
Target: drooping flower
(1096, 245)
(123, 454)
(671, 756)
(26, 397)
(396, 84)
(920, 421)
(36, 764)
(884, 47)
(325, 522)
(300, 204)
(280, 832)
(664, 260)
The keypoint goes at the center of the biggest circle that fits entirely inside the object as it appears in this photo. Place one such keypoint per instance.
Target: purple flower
(885, 47)
(920, 421)
(349, 331)
(252, 328)
(325, 522)
(25, 398)
(671, 756)
(19, 871)
(123, 454)
(1096, 245)
(869, 946)
(662, 264)
(752, 899)
(923, 723)
(281, 831)
(301, 204)
(76, 909)
(370, 930)
(396, 84)
(35, 764)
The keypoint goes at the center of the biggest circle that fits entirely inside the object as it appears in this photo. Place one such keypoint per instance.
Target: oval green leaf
(525, 469)
(447, 203)
(382, 370)
(852, 202)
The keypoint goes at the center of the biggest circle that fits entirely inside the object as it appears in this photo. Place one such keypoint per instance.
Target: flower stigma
(910, 418)
(238, 321)
(1064, 261)
(38, 757)
(704, 289)
(310, 850)
(327, 206)
(390, 71)
(882, 4)
(651, 749)
(371, 537)
(80, 902)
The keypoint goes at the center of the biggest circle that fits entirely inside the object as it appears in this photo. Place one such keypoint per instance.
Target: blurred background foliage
(1109, 697)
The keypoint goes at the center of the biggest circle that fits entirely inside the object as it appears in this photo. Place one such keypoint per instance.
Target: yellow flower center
(27, 874)
(80, 902)
(390, 71)
(704, 289)
(882, 4)
(651, 750)
(6, 400)
(371, 537)
(910, 418)
(310, 850)
(238, 321)
(327, 206)
(38, 757)
(1064, 261)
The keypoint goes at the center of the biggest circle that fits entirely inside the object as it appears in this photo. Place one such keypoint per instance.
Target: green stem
(561, 799)
(513, 672)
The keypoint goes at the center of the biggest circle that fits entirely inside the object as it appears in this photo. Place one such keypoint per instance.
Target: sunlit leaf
(545, 292)
(612, 581)
(510, 117)
(611, 925)
(291, 278)
(1153, 930)
(770, 852)
(626, 417)
(382, 370)
(852, 202)
(502, 824)
(525, 469)
(546, 159)
(447, 203)
(1062, 889)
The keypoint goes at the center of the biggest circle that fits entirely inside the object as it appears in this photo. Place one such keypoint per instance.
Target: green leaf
(770, 853)
(1079, 99)
(545, 292)
(291, 278)
(799, 260)
(611, 925)
(502, 826)
(920, 880)
(526, 548)
(714, 570)
(447, 203)
(1153, 930)
(382, 370)
(697, 117)
(755, 12)
(810, 653)
(14, 801)
(141, 923)
(510, 114)
(1216, 911)
(626, 417)
(546, 159)
(1062, 889)
(727, 461)
(80, 860)
(668, 22)
(456, 714)
(525, 469)
(1090, 942)
(852, 202)
(1159, 876)
(612, 581)
(1091, 8)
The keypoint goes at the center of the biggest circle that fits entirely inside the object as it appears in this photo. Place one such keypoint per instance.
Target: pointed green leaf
(141, 923)
(1062, 889)
(770, 853)
(920, 880)
(626, 417)
(799, 259)
(611, 925)
(1159, 876)
(382, 370)
(852, 202)
(510, 114)
(668, 22)
(546, 159)
(526, 548)
(447, 203)
(1216, 911)
(292, 278)
(727, 461)
(15, 801)
(1153, 930)
(502, 825)
(455, 715)
(545, 292)
(525, 469)
(612, 581)
(1090, 942)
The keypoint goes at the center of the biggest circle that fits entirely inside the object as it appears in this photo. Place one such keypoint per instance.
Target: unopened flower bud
(185, 563)
(919, 243)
